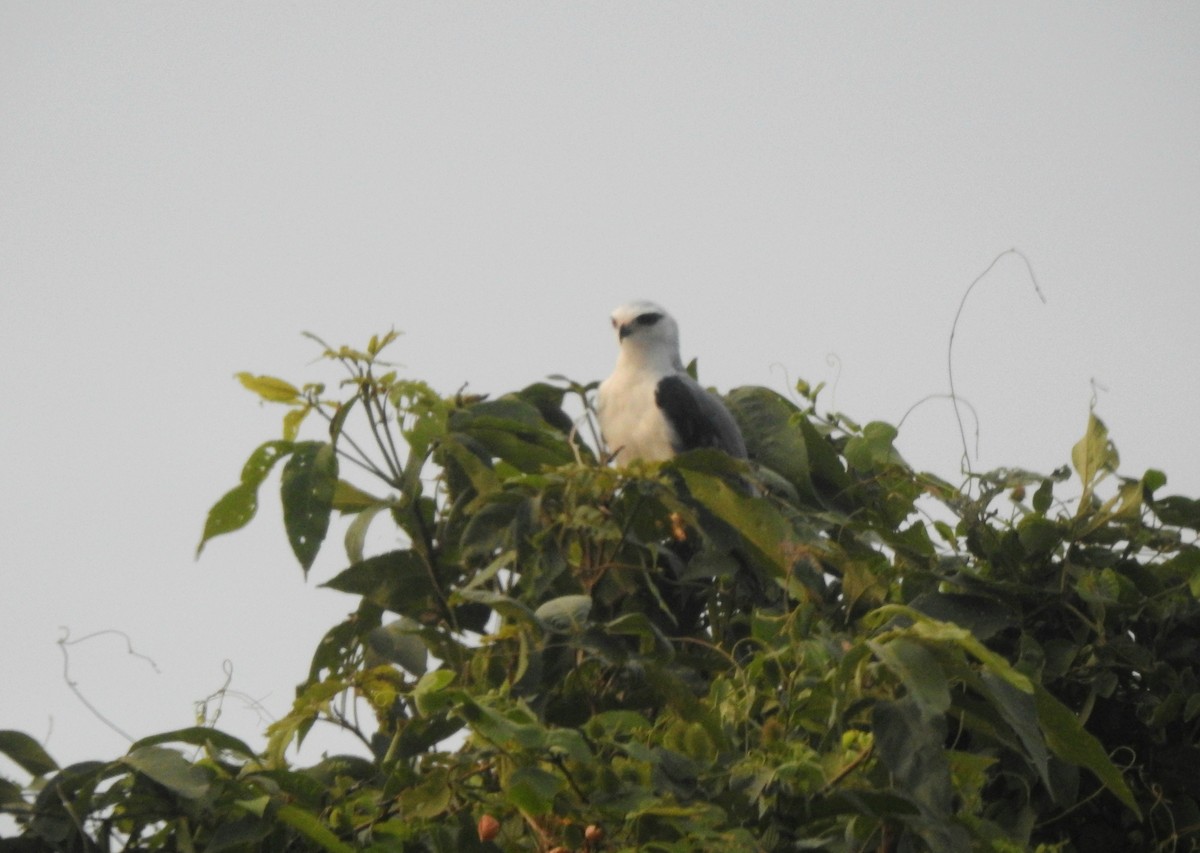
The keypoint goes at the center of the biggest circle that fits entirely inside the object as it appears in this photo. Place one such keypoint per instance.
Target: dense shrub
(821, 650)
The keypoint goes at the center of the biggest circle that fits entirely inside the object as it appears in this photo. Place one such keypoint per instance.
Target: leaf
(307, 489)
(241, 834)
(910, 744)
(873, 450)
(1018, 709)
(533, 789)
(398, 581)
(1178, 511)
(755, 518)
(349, 498)
(772, 437)
(566, 614)
(202, 736)
(292, 421)
(919, 670)
(26, 753)
(1044, 496)
(982, 615)
(339, 419)
(1070, 741)
(235, 509)
(429, 798)
(1093, 457)
(311, 828)
(269, 388)
(400, 643)
(169, 769)
(356, 533)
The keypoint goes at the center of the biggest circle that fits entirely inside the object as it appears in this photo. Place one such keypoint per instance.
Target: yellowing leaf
(269, 388)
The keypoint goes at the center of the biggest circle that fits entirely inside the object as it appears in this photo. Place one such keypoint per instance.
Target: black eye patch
(649, 319)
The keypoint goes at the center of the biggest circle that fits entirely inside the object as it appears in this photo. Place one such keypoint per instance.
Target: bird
(650, 408)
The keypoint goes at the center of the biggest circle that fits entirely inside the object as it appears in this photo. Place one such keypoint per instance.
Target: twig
(65, 641)
(966, 457)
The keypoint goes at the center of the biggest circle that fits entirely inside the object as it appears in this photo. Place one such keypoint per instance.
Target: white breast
(633, 425)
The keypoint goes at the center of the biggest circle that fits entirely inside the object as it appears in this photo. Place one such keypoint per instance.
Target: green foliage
(819, 650)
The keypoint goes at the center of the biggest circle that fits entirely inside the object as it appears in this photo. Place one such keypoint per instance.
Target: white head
(647, 333)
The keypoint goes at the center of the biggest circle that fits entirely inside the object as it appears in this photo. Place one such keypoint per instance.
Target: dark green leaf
(169, 769)
(307, 488)
(199, 736)
(1071, 742)
(919, 670)
(1178, 511)
(26, 752)
(399, 581)
(982, 615)
(1019, 710)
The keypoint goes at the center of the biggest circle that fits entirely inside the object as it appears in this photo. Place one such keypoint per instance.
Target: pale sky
(809, 188)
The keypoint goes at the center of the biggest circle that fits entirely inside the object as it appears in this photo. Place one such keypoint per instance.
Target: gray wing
(699, 418)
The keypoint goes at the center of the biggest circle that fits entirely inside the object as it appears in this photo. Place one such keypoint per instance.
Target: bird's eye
(614, 322)
(649, 319)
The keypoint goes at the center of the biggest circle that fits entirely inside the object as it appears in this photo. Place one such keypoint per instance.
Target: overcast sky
(809, 188)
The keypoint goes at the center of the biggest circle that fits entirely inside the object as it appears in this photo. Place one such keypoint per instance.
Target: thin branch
(377, 421)
(966, 457)
(65, 641)
(363, 460)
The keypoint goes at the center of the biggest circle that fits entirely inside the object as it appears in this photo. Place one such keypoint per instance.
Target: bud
(488, 828)
(594, 834)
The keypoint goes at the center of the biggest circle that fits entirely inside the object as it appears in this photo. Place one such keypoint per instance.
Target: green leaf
(1178, 511)
(1070, 741)
(245, 833)
(356, 533)
(26, 753)
(400, 643)
(429, 798)
(773, 438)
(533, 789)
(399, 581)
(307, 488)
(169, 769)
(235, 509)
(349, 498)
(269, 388)
(918, 669)
(1044, 496)
(755, 518)
(202, 736)
(292, 421)
(566, 614)
(1018, 709)
(982, 615)
(311, 828)
(873, 451)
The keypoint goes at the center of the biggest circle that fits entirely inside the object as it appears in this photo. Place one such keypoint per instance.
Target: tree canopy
(821, 649)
